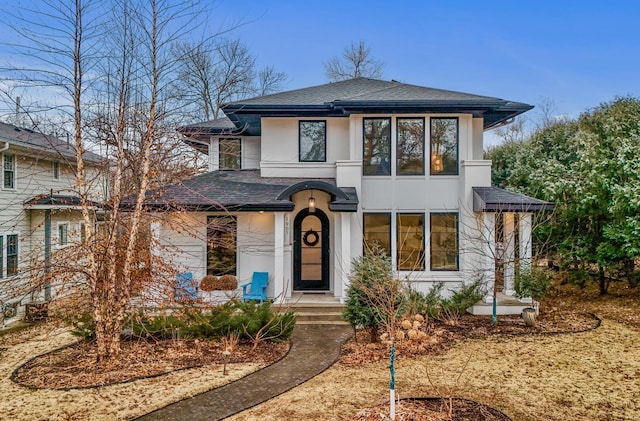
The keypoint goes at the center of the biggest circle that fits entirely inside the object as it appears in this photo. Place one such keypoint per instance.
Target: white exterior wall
(34, 177)
(279, 149)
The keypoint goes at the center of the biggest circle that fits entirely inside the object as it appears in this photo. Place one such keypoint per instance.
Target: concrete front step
(319, 313)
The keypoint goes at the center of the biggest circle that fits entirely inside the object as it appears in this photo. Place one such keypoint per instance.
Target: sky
(576, 54)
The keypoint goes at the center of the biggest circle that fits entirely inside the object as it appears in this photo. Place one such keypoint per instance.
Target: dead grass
(580, 376)
(117, 402)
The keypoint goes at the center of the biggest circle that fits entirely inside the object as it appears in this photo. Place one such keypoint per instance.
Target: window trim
(13, 171)
(4, 255)
(422, 268)
(233, 218)
(59, 244)
(440, 174)
(364, 120)
(397, 172)
(364, 240)
(324, 122)
(431, 268)
(220, 154)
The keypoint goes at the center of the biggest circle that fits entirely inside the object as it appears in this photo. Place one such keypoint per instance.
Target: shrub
(82, 325)
(373, 293)
(429, 304)
(208, 283)
(534, 283)
(465, 297)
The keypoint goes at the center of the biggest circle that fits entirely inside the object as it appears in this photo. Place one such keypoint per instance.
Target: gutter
(5, 147)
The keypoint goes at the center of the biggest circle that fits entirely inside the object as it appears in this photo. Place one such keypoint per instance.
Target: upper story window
(444, 146)
(313, 141)
(8, 171)
(230, 154)
(410, 146)
(63, 234)
(376, 149)
(56, 170)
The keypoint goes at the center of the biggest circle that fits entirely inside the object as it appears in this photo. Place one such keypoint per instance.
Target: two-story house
(301, 182)
(39, 209)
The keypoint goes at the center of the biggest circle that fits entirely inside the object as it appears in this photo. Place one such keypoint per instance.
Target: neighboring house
(301, 182)
(39, 210)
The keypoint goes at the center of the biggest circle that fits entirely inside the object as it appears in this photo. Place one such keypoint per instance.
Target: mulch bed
(75, 366)
(442, 334)
(434, 409)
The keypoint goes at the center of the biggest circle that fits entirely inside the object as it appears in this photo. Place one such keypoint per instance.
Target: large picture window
(444, 241)
(221, 245)
(8, 171)
(410, 241)
(313, 141)
(376, 153)
(377, 231)
(444, 146)
(410, 146)
(230, 154)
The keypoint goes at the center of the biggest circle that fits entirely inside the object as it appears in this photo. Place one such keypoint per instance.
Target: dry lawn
(583, 376)
(117, 402)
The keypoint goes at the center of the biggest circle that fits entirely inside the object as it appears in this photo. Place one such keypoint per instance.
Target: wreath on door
(311, 238)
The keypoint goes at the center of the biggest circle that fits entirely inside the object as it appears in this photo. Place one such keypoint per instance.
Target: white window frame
(14, 170)
(58, 243)
(3, 254)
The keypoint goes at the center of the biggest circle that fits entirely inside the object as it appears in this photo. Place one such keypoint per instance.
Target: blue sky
(576, 53)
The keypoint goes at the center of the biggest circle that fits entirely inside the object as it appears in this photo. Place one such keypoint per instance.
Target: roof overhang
(57, 202)
(494, 199)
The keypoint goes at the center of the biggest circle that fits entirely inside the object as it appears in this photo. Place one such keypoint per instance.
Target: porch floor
(505, 305)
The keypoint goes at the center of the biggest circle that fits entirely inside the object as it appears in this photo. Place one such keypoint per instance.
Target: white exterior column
(345, 254)
(509, 258)
(278, 263)
(525, 240)
(489, 252)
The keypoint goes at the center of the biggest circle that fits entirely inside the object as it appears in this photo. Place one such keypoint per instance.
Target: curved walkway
(314, 348)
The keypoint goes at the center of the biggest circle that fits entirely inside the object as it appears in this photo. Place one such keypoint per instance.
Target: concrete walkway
(314, 348)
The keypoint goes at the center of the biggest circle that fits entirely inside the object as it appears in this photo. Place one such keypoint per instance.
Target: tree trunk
(602, 280)
(373, 332)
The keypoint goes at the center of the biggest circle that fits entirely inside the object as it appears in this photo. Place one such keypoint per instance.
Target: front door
(311, 251)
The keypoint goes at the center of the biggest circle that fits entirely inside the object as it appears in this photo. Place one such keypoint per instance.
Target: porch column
(345, 255)
(278, 264)
(525, 240)
(488, 268)
(509, 258)
(158, 294)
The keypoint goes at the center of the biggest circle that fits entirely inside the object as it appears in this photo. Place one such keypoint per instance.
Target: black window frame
(364, 233)
(398, 170)
(230, 219)
(431, 248)
(364, 143)
(431, 152)
(324, 141)
(221, 155)
(12, 266)
(56, 170)
(422, 266)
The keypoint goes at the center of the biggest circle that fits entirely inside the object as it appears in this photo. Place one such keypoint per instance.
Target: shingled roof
(45, 144)
(363, 95)
(244, 190)
(494, 199)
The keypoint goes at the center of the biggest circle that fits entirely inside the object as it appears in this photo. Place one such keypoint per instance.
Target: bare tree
(219, 71)
(356, 61)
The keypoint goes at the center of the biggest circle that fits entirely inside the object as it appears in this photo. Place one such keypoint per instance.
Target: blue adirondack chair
(186, 289)
(257, 287)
